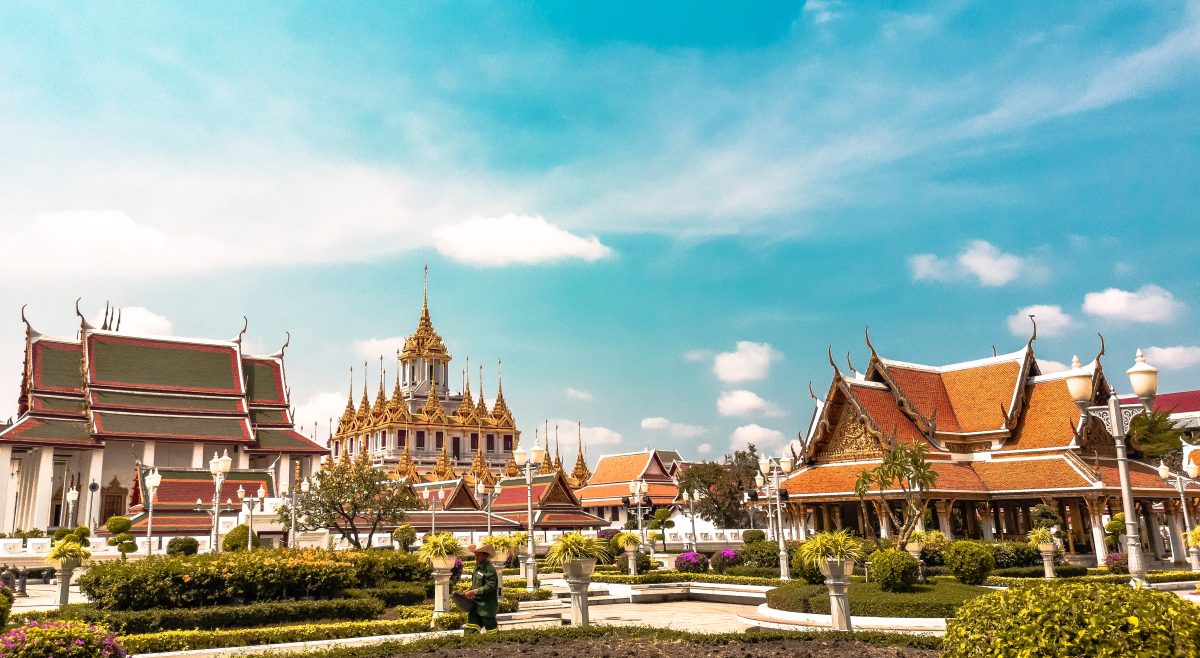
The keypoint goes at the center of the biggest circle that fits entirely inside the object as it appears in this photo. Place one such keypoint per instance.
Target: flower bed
(213, 617)
(60, 639)
(869, 600)
(671, 576)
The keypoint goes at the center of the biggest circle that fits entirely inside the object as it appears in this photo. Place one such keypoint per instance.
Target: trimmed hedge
(392, 594)
(1112, 579)
(761, 554)
(753, 572)
(894, 570)
(212, 617)
(1075, 619)
(183, 546)
(969, 561)
(942, 599)
(1062, 571)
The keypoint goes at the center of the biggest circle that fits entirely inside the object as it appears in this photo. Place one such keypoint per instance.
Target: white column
(943, 514)
(885, 521)
(147, 453)
(283, 479)
(198, 455)
(43, 489)
(1178, 553)
(1096, 519)
(987, 526)
(89, 503)
(8, 488)
(242, 461)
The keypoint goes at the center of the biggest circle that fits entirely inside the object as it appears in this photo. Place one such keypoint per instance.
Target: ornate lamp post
(1180, 482)
(1143, 378)
(773, 471)
(487, 494)
(153, 479)
(305, 485)
(690, 499)
(432, 504)
(529, 460)
(219, 467)
(72, 498)
(637, 491)
(253, 500)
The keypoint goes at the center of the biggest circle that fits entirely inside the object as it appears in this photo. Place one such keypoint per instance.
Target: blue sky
(659, 217)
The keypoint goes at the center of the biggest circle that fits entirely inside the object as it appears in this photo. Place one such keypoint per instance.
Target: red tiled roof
(629, 467)
(660, 493)
(927, 391)
(1176, 403)
(1029, 474)
(880, 405)
(1050, 414)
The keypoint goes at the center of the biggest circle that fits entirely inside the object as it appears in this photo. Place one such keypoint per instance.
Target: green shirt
(486, 584)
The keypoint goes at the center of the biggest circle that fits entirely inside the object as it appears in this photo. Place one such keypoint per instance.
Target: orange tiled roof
(621, 468)
(838, 479)
(978, 394)
(660, 493)
(1141, 476)
(927, 391)
(1049, 415)
(881, 406)
(1029, 474)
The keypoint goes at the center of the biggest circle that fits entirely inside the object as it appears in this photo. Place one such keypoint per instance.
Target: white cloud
(316, 410)
(373, 348)
(697, 355)
(750, 362)
(138, 320)
(979, 259)
(579, 394)
(592, 436)
(678, 430)
(704, 448)
(753, 434)
(743, 403)
(1178, 357)
(1049, 366)
(514, 239)
(822, 11)
(1149, 303)
(1051, 321)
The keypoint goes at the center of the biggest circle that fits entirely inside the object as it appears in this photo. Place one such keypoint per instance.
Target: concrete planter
(1047, 551)
(445, 562)
(579, 575)
(837, 579)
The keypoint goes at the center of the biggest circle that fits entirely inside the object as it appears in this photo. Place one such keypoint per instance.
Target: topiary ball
(894, 570)
(969, 561)
(752, 536)
(183, 546)
(1074, 619)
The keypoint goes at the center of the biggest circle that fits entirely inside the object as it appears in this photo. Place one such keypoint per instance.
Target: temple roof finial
(242, 333)
(29, 330)
(83, 323)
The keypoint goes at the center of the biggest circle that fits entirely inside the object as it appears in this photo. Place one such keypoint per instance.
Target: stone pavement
(695, 616)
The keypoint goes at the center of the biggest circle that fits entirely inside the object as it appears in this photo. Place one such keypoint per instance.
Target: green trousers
(486, 623)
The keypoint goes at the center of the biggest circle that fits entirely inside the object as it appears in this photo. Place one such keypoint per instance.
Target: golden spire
(406, 469)
(467, 405)
(557, 452)
(397, 397)
(444, 469)
(481, 409)
(547, 465)
(433, 406)
(348, 414)
(500, 411)
(479, 471)
(581, 472)
(365, 406)
(425, 341)
(380, 399)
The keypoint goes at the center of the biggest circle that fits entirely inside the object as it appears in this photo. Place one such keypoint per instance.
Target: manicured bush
(378, 568)
(870, 600)
(969, 562)
(643, 563)
(1075, 619)
(751, 536)
(118, 527)
(1063, 571)
(933, 549)
(1014, 554)
(237, 538)
(672, 576)
(404, 535)
(1117, 563)
(211, 617)
(753, 572)
(183, 546)
(761, 553)
(519, 594)
(794, 596)
(6, 603)
(393, 594)
(895, 571)
(60, 639)
(691, 562)
(722, 560)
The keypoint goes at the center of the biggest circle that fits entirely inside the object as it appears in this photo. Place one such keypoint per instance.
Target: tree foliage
(118, 527)
(721, 486)
(905, 468)
(1156, 437)
(352, 498)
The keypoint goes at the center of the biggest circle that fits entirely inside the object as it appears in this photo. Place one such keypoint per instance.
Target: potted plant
(501, 545)
(1043, 540)
(576, 554)
(916, 542)
(1193, 541)
(628, 541)
(834, 553)
(69, 552)
(441, 550)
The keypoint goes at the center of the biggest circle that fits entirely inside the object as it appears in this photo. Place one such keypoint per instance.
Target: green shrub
(752, 536)
(236, 539)
(183, 546)
(1014, 554)
(643, 563)
(761, 553)
(6, 603)
(691, 562)
(118, 527)
(794, 596)
(753, 572)
(60, 639)
(672, 576)
(933, 549)
(1062, 571)
(870, 600)
(404, 535)
(519, 594)
(969, 561)
(211, 617)
(895, 571)
(392, 594)
(1075, 619)
(118, 524)
(378, 568)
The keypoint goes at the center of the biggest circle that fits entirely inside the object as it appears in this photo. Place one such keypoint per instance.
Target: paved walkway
(695, 616)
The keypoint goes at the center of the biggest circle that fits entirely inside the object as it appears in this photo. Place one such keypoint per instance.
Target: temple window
(491, 443)
(455, 446)
(420, 439)
(508, 443)
(439, 440)
(401, 438)
(474, 440)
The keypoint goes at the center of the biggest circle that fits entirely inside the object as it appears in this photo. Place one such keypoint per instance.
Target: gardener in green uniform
(485, 589)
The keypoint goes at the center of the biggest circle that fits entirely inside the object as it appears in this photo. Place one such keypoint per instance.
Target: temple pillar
(147, 453)
(8, 488)
(885, 521)
(197, 455)
(1178, 552)
(283, 482)
(89, 501)
(1096, 506)
(43, 489)
(826, 524)
(241, 459)
(920, 527)
(801, 511)
(942, 507)
(1077, 520)
(986, 528)
(837, 517)
(1149, 529)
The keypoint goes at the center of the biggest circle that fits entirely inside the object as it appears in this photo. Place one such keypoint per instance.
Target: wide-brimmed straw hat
(487, 550)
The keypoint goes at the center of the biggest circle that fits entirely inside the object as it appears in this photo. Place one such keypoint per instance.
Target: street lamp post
(773, 472)
(637, 489)
(253, 500)
(219, 467)
(305, 485)
(1143, 378)
(432, 504)
(153, 479)
(486, 493)
(529, 460)
(72, 498)
(1180, 482)
(691, 499)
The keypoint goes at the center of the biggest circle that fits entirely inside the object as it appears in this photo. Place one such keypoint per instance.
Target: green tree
(721, 487)
(1156, 437)
(118, 527)
(905, 468)
(238, 539)
(404, 535)
(352, 498)
(661, 521)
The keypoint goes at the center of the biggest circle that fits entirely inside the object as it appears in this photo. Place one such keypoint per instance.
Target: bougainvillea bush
(691, 562)
(60, 639)
(1117, 563)
(722, 560)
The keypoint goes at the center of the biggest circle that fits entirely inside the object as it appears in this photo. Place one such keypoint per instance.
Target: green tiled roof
(164, 365)
(170, 427)
(285, 441)
(49, 430)
(268, 416)
(142, 401)
(56, 366)
(57, 405)
(264, 381)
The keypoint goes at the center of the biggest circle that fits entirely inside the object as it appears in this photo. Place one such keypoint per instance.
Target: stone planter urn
(1194, 558)
(914, 549)
(579, 575)
(837, 579)
(1047, 551)
(441, 583)
(64, 580)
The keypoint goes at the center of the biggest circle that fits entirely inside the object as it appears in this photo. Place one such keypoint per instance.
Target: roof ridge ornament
(867, 335)
(282, 348)
(242, 333)
(29, 330)
(84, 324)
(1033, 336)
